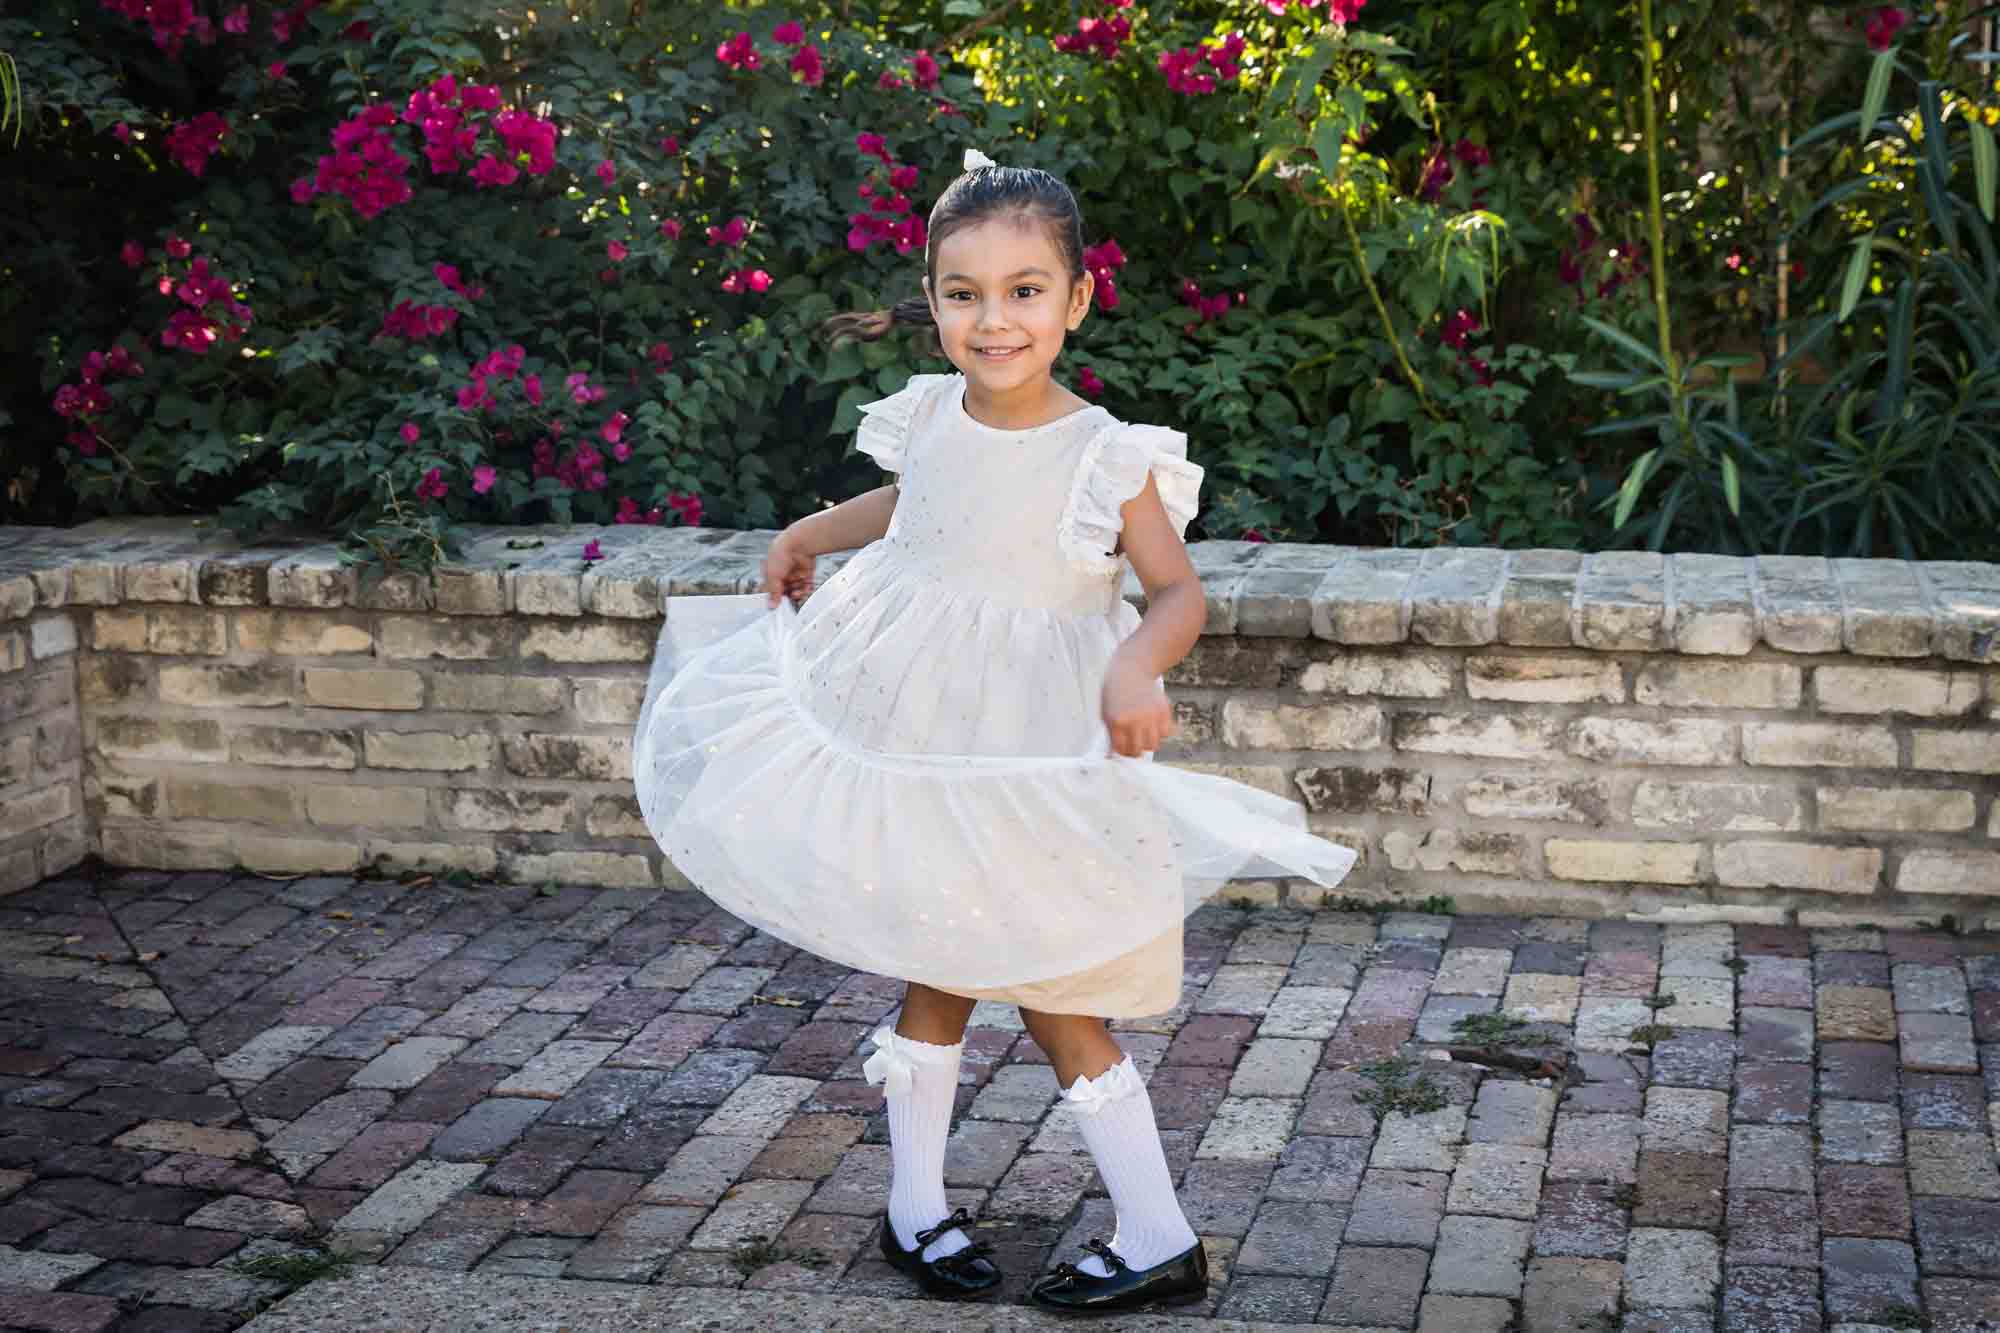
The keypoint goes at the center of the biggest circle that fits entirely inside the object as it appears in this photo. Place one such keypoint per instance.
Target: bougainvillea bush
(377, 268)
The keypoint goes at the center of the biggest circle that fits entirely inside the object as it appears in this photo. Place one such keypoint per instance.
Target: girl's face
(1004, 302)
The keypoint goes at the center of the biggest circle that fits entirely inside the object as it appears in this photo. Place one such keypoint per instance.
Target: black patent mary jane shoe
(1181, 1280)
(954, 1277)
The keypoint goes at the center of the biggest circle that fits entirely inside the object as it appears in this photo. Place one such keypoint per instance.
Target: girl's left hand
(1136, 711)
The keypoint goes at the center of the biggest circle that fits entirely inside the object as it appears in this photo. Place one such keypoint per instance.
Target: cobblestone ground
(198, 1072)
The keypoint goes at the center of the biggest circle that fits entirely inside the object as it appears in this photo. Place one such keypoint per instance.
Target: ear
(1080, 293)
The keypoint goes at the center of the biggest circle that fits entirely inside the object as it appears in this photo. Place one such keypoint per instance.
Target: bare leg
(933, 1015)
(1078, 1046)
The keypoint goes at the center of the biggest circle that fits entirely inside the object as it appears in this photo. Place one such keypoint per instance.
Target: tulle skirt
(966, 872)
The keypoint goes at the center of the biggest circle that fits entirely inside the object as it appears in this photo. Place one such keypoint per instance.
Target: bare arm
(788, 566)
(1136, 714)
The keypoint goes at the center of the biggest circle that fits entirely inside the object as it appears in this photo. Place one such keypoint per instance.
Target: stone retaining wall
(1691, 737)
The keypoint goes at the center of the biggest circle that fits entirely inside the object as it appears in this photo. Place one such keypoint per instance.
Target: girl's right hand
(788, 570)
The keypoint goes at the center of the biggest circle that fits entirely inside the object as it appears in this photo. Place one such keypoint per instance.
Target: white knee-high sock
(1115, 1118)
(921, 1080)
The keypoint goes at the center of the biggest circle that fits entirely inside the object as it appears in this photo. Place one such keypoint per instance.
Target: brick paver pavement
(198, 1070)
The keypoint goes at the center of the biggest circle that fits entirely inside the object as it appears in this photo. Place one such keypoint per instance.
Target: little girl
(928, 770)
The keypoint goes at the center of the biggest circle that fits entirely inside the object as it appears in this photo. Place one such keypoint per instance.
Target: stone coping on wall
(1613, 601)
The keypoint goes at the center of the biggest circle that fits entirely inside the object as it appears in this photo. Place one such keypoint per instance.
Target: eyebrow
(1019, 273)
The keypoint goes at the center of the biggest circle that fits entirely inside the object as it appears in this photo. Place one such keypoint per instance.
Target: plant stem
(1654, 220)
(1382, 311)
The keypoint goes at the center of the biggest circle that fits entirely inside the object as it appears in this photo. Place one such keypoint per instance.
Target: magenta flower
(1471, 156)
(617, 251)
(490, 171)
(739, 52)
(1882, 25)
(409, 432)
(730, 234)
(733, 283)
(178, 248)
(193, 142)
(759, 280)
(607, 171)
(924, 70)
(903, 178)
(670, 228)
(808, 65)
(874, 145)
(483, 478)
(592, 551)
(1088, 381)
(432, 487)
(789, 33)
(133, 253)
(276, 69)
(122, 132)
(1458, 328)
(1252, 535)
(1101, 37)
(670, 146)
(448, 275)
(614, 427)
(688, 507)
(237, 22)
(662, 356)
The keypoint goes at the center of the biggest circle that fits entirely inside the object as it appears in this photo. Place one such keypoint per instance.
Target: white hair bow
(890, 1064)
(974, 159)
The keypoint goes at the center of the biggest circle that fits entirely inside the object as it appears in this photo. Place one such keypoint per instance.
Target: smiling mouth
(998, 351)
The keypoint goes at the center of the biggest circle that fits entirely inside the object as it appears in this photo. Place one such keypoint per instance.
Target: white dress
(909, 774)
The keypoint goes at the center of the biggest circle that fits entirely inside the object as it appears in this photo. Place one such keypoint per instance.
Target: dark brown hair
(979, 195)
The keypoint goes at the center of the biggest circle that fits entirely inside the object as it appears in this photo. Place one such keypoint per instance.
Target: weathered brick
(453, 692)
(1644, 862)
(454, 638)
(1545, 679)
(1797, 865)
(1898, 809)
(1536, 797)
(235, 685)
(341, 687)
(1489, 736)
(1625, 740)
(1675, 683)
(1966, 872)
(1248, 724)
(1878, 690)
(300, 634)
(290, 747)
(1733, 807)
(1818, 745)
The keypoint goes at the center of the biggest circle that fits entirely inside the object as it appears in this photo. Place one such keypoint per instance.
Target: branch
(986, 20)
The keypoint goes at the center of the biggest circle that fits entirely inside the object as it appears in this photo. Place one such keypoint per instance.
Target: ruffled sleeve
(884, 431)
(1113, 470)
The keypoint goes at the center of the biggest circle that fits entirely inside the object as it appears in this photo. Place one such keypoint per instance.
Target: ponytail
(872, 325)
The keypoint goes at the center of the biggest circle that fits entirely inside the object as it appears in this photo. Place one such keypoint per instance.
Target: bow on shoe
(1112, 1262)
(958, 1221)
(890, 1065)
(1089, 1096)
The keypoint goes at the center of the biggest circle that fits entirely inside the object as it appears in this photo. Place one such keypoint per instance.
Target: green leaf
(1631, 345)
(1732, 485)
(1857, 275)
(1877, 93)
(1982, 165)
(1178, 140)
(1635, 481)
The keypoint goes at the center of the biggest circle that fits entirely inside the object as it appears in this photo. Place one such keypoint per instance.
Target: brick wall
(1686, 738)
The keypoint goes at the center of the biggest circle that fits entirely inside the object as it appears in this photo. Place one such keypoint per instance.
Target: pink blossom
(191, 143)
(739, 52)
(903, 178)
(621, 451)
(581, 390)
(670, 146)
(1253, 535)
(607, 171)
(890, 81)
(1102, 37)
(480, 97)
(276, 69)
(1087, 379)
(592, 551)
(409, 432)
(122, 132)
(133, 253)
(432, 487)
(613, 428)
(733, 283)
(531, 385)
(527, 134)
(789, 33)
(616, 251)
(178, 248)
(670, 228)
(1458, 329)
(730, 234)
(808, 65)
(759, 280)
(924, 70)
(491, 171)
(237, 22)
(873, 145)
(483, 478)
(1179, 67)
(662, 356)
(688, 507)
(1471, 156)
(448, 274)
(1882, 26)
